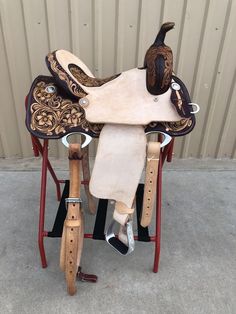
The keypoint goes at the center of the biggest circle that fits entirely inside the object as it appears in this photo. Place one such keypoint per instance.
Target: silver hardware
(196, 105)
(155, 99)
(50, 89)
(167, 138)
(175, 86)
(73, 200)
(130, 238)
(88, 139)
(84, 102)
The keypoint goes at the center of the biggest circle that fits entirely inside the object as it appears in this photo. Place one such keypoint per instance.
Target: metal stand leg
(49, 167)
(34, 147)
(170, 151)
(42, 204)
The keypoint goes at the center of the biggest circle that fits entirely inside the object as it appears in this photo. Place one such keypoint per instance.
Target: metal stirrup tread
(117, 244)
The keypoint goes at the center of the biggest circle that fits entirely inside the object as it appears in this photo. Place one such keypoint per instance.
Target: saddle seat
(119, 99)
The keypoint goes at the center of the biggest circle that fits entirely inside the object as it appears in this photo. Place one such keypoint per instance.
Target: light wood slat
(8, 120)
(59, 37)
(227, 140)
(58, 20)
(97, 38)
(2, 155)
(19, 81)
(173, 12)
(36, 25)
(188, 55)
(224, 75)
(191, 40)
(82, 31)
(104, 37)
(127, 27)
(211, 42)
(150, 15)
(233, 155)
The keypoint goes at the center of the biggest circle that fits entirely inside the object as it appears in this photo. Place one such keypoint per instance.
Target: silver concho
(175, 86)
(84, 102)
(50, 89)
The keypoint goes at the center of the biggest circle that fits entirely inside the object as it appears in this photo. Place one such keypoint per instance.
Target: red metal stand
(46, 165)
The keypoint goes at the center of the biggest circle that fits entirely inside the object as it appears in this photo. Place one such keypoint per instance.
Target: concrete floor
(197, 273)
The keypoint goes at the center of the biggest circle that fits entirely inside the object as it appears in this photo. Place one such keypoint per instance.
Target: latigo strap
(73, 229)
(153, 153)
(86, 177)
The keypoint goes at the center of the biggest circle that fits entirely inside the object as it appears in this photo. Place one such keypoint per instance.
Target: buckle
(118, 245)
(73, 200)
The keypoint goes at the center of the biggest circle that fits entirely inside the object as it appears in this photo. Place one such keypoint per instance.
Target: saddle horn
(158, 62)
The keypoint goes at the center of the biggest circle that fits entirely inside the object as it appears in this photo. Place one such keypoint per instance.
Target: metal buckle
(167, 138)
(118, 245)
(196, 105)
(88, 139)
(73, 200)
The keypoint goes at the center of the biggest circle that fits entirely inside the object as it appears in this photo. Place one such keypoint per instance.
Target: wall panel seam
(10, 81)
(224, 125)
(210, 109)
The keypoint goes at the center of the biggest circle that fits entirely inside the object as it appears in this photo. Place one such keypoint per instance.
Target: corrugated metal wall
(111, 36)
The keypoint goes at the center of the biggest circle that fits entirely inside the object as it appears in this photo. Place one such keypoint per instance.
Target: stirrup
(118, 245)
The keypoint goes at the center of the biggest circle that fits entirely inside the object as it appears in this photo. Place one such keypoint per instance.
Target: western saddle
(119, 110)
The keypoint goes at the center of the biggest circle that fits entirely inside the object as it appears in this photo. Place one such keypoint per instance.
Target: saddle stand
(42, 149)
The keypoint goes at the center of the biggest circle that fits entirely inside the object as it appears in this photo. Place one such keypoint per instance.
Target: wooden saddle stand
(120, 111)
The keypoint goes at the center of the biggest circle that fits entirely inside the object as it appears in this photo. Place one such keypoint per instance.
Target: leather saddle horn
(158, 62)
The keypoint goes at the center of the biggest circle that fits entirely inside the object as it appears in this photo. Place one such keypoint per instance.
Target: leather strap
(153, 153)
(121, 208)
(120, 218)
(122, 214)
(86, 277)
(86, 177)
(72, 237)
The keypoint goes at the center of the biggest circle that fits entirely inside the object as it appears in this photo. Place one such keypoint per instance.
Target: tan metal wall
(111, 36)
